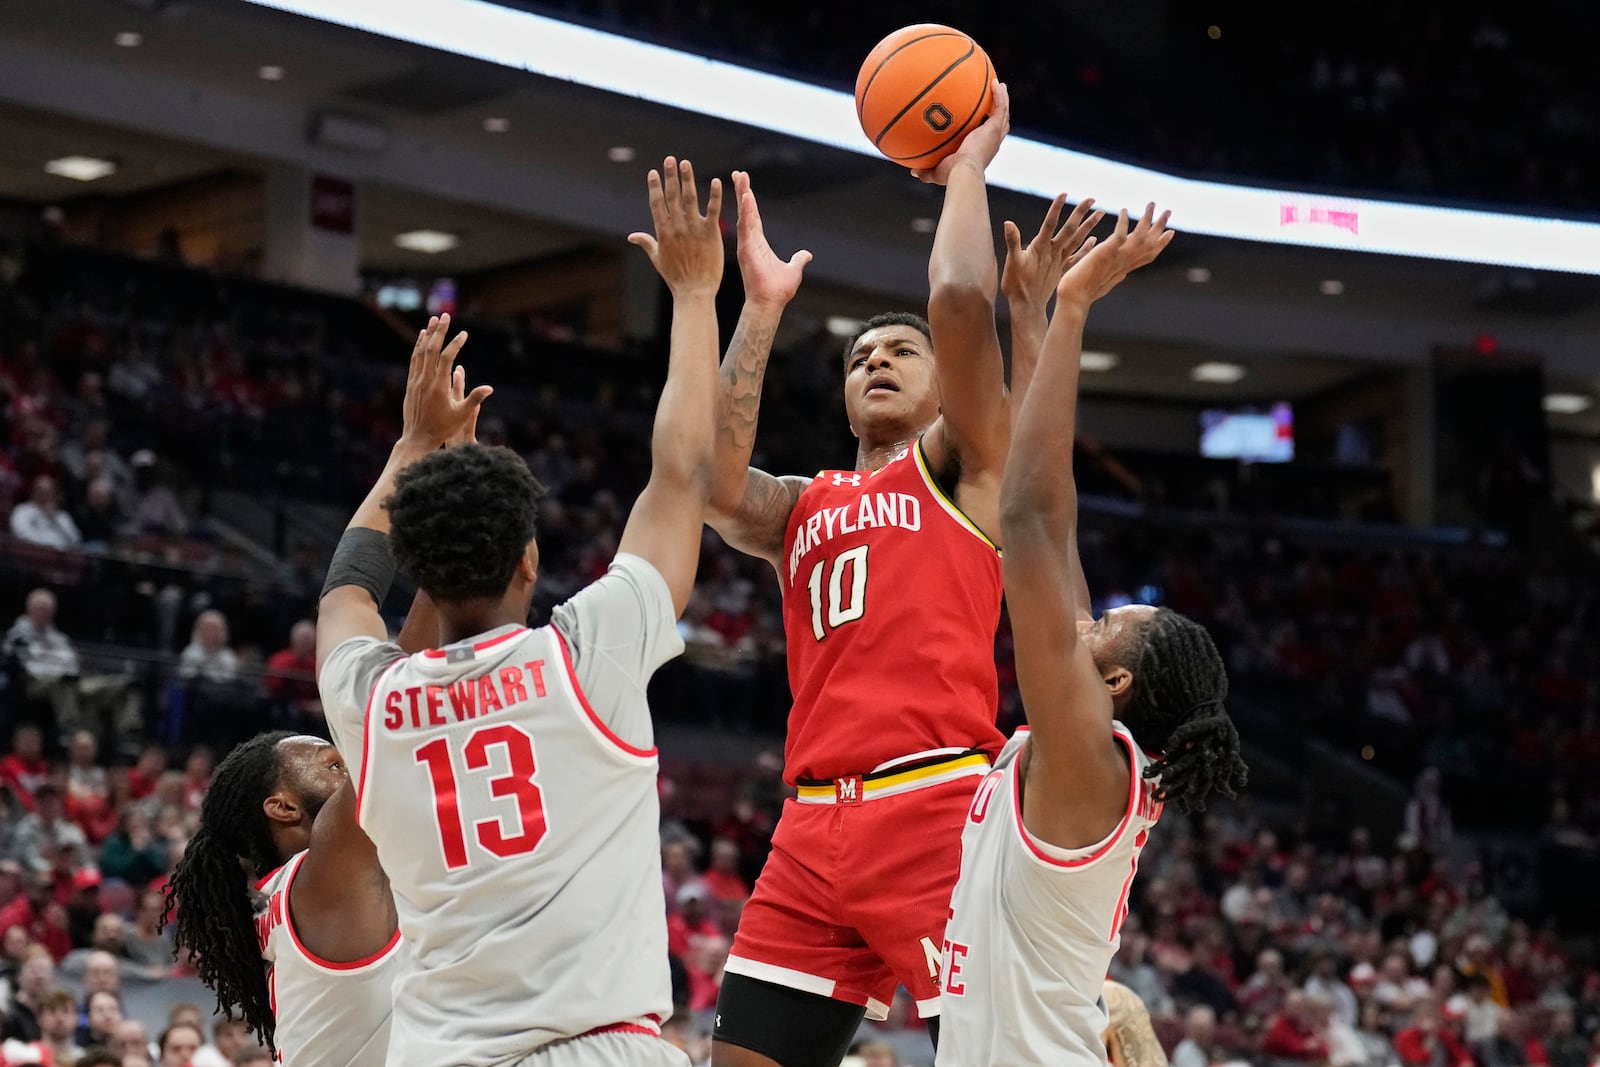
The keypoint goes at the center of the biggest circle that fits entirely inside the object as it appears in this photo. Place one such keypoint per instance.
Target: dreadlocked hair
(1179, 685)
(212, 893)
(460, 519)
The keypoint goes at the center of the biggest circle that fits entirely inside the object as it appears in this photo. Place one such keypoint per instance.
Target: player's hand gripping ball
(922, 90)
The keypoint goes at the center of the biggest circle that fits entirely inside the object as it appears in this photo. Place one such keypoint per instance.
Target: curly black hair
(214, 894)
(889, 318)
(460, 519)
(1176, 708)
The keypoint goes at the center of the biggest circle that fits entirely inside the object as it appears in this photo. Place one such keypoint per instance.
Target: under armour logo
(719, 1021)
(841, 478)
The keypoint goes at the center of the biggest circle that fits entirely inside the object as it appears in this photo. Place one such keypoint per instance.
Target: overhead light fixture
(923, 224)
(843, 325)
(1217, 373)
(430, 242)
(80, 168)
(270, 73)
(544, 46)
(1214, 32)
(621, 153)
(496, 124)
(1331, 287)
(1098, 362)
(1198, 275)
(129, 39)
(1567, 403)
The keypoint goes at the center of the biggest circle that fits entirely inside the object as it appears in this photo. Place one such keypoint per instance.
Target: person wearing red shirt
(723, 879)
(40, 915)
(1425, 1043)
(89, 802)
(25, 769)
(197, 777)
(291, 677)
(1295, 1034)
(690, 922)
(144, 776)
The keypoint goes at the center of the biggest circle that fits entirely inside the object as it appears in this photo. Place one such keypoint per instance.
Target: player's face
(889, 383)
(1108, 630)
(315, 771)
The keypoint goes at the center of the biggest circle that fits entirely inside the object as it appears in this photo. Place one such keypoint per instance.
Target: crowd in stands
(1471, 101)
(1463, 668)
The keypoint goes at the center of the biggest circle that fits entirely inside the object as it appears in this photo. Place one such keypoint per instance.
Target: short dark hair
(460, 518)
(166, 1035)
(112, 993)
(1176, 707)
(889, 318)
(98, 1057)
(59, 998)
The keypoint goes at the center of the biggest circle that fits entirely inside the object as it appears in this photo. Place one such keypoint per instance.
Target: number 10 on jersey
(838, 591)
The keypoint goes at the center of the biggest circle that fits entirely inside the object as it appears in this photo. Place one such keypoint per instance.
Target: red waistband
(650, 1026)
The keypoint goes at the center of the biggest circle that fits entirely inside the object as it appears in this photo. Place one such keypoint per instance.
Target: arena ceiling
(191, 98)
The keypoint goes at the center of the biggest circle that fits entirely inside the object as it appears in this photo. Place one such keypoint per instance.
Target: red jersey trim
(583, 702)
(439, 653)
(366, 738)
(261, 883)
(625, 1028)
(945, 502)
(311, 957)
(1039, 848)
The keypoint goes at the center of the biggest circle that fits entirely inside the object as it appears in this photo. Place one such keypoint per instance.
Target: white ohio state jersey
(509, 784)
(1033, 927)
(327, 1014)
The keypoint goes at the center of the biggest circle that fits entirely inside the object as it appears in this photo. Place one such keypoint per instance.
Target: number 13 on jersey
(838, 591)
(525, 821)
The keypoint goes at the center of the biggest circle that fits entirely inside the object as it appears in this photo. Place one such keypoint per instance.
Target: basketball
(920, 91)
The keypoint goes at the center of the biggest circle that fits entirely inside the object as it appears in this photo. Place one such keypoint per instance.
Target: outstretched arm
(1029, 282)
(437, 409)
(962, 281)
(748, 507)
(664, 525)
(1068, 704)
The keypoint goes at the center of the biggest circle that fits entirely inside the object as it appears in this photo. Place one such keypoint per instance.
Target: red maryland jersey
(891, 597)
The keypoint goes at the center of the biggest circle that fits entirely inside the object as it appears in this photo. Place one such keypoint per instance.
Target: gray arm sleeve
(345, 684)
(620, 630)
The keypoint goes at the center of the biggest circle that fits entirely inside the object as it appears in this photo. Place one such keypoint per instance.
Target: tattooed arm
(748, 507)
(1130, 1039)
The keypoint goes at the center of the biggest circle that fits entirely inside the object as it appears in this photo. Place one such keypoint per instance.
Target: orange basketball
(920, 91)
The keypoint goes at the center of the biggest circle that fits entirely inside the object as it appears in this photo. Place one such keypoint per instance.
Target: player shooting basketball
(1052, 841)
(891, 595)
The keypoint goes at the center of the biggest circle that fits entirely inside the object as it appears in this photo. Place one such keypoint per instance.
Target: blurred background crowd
(1408, 880)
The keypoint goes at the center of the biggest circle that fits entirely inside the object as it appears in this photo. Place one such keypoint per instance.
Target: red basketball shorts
(853, 900)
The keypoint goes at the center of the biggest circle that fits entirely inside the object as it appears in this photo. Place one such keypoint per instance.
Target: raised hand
(1102, 268)
(768, 280)
(980, 145)
(1032, 273)
(437, 409)
(467, 433)
(687, 247)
